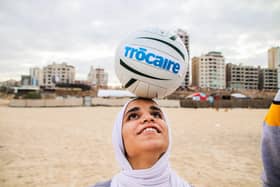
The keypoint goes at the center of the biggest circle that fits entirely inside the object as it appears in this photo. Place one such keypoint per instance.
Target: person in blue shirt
(270, 145)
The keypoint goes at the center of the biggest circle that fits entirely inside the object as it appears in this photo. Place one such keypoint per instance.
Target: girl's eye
(157, 115)
(132, 116)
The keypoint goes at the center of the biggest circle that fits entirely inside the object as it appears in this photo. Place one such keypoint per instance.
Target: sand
(57, 147)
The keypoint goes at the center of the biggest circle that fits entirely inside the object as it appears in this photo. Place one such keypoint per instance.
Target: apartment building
(25, 80)
(185, 38)
(58, 73)
(98, 77)
(242, 77)
(10, 82)
(36, 75)
(274, 61)
(268, 79)
(209, 71)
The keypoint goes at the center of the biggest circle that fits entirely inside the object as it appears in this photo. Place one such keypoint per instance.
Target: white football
(151, 63)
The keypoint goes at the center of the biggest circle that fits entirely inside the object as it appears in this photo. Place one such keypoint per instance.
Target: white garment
(159, 175)
(277, 96)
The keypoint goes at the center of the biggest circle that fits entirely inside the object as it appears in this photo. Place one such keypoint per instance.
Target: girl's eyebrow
(155, 108)
(134, 109)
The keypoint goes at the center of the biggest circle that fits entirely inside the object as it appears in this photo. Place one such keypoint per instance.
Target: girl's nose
(147, 118)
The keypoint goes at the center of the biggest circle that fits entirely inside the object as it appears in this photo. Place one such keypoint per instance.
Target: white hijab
(159, 175)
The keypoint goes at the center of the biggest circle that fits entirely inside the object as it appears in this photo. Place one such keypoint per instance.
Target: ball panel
(141, 90)
(169, 37)
(153, 76)
(156, 91)
(133, 86)
(163, 43)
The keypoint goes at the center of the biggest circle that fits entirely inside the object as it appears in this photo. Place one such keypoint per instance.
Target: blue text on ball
(140, 54)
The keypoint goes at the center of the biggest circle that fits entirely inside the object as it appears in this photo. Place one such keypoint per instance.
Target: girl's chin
(154, 147)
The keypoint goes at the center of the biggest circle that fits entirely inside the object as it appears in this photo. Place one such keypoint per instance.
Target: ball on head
(151, 63)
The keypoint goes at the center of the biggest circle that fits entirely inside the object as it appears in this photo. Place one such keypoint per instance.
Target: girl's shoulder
(103, 184)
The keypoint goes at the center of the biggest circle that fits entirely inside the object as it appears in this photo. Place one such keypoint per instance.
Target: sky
(85, 33)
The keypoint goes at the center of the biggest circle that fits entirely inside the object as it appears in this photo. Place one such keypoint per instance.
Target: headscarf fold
(159, 175)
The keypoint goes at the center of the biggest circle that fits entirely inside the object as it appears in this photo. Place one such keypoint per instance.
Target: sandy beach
(71, 147)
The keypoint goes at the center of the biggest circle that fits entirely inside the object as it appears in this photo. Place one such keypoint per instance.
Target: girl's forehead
(140, 103)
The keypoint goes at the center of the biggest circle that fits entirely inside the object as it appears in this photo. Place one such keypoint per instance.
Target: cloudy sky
(34, 33)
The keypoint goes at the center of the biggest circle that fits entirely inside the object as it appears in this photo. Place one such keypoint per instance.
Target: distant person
(217, 102)
(142, 143)
(211, 101)
(271, 145)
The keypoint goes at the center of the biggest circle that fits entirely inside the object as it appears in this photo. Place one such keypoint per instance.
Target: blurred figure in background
(271, 145)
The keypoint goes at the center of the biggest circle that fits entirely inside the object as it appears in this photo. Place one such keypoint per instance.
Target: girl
(142, 143)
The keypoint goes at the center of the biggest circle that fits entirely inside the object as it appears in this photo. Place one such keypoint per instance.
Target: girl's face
(144, 129)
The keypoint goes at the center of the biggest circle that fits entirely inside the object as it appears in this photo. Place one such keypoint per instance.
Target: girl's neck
(144, 161)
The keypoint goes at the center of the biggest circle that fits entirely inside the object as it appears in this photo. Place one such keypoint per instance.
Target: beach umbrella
(198, 96)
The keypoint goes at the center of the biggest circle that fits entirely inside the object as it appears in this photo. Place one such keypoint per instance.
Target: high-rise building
(98, 77)
(195, 70)
(185, 38)
(268, 79)
(36, 76)
(274, 61)
(209, 71)
(273, 57)
(58, 73)
(242, 77)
